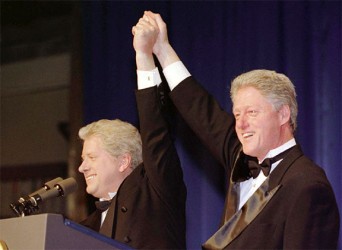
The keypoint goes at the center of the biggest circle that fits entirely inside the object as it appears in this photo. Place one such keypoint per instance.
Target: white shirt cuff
(175, 73)
(147, 79)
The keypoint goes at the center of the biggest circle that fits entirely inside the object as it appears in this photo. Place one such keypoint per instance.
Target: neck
(285, 136)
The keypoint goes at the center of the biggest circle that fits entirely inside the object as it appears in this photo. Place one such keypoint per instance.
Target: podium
(52, 231)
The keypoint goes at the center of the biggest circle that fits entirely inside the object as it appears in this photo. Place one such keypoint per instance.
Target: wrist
(144, 61)
(166, 55)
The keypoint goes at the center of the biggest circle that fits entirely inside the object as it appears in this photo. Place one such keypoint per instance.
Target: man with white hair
(140, 179)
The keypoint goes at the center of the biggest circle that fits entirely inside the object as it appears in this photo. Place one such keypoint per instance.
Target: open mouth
(90, 177)
(247, 135)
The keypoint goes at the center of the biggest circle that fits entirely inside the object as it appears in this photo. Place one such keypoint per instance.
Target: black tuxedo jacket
(295, 208)
(148, 211)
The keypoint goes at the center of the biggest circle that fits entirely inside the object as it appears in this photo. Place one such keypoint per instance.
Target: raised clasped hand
(145, 34)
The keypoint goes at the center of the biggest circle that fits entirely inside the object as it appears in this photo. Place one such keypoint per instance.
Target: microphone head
(52, 183)
(48, 185)
(67, 186)
(62, 188)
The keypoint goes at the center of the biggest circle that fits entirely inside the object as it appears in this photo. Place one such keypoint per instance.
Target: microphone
(48, 185)
(29, 204)
(62, 188)
(20, 204)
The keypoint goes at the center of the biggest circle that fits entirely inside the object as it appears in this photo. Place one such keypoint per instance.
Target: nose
(83, 167)
(242, 122)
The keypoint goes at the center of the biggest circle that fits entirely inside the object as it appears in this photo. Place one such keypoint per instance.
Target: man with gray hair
(138, 179)
(277, 198)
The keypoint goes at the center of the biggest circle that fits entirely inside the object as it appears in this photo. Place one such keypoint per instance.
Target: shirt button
(124, 209)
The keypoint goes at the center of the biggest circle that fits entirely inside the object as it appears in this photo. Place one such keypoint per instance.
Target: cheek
(108, 171)
(239, 136)
(271, 128)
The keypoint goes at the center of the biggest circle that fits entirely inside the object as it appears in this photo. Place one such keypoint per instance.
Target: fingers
(151, 14)
(156, 20)
(145, 22)
(154, 16)
(150, 19)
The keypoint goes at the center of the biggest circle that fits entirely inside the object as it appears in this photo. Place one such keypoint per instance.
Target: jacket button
(124, 209)
(127, 239)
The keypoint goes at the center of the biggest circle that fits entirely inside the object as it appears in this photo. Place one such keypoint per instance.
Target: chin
(91, 192)
(249, 152)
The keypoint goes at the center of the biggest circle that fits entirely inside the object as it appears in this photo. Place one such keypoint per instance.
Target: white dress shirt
(174, 74)
(148, 79)
(248, 187)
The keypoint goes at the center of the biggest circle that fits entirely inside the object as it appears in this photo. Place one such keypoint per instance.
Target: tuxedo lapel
(127, 187)
(235, 223)
(107, 226)
(232, 201)
(277, 175)
(240, 220)
(232, 198)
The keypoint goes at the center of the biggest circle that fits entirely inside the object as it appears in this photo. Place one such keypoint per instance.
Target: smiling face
(258, 125)
(103, 172)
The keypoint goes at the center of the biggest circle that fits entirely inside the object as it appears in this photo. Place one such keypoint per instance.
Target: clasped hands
(149, 33)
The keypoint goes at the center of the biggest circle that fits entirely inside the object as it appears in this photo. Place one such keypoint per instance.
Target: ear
(284, 114)
(125, 161)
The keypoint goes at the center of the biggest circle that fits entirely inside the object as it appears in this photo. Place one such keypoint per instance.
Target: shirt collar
(280, 149)
(111, 195)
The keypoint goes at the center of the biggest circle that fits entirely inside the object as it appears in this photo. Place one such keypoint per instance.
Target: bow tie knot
(247, 166)
(103, 205)
(255, 167)
(265, 166)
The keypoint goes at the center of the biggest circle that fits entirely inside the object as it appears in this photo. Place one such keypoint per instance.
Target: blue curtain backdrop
(217, 41)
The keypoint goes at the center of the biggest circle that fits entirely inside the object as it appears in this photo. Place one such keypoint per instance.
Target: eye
(237, 115)
(252, 113)
(89, 158)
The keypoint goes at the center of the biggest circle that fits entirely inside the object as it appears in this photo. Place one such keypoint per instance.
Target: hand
(150, 36)
(145, 34)
(162, 39)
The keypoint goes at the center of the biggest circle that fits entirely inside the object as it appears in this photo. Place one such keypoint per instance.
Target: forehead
(92, 143)
(249, 97)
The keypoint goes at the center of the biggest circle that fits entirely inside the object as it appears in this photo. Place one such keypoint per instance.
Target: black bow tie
(265, 166)
(102, 205)
(255, 167)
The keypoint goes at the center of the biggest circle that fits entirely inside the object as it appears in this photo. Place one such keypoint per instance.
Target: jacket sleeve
(160, 157)
(214, 126)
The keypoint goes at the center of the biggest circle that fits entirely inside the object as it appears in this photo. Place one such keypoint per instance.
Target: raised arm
(159, 154)
(199, 109)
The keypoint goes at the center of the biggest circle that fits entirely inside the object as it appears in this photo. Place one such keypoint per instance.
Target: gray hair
(275, 87)
(117, 137)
